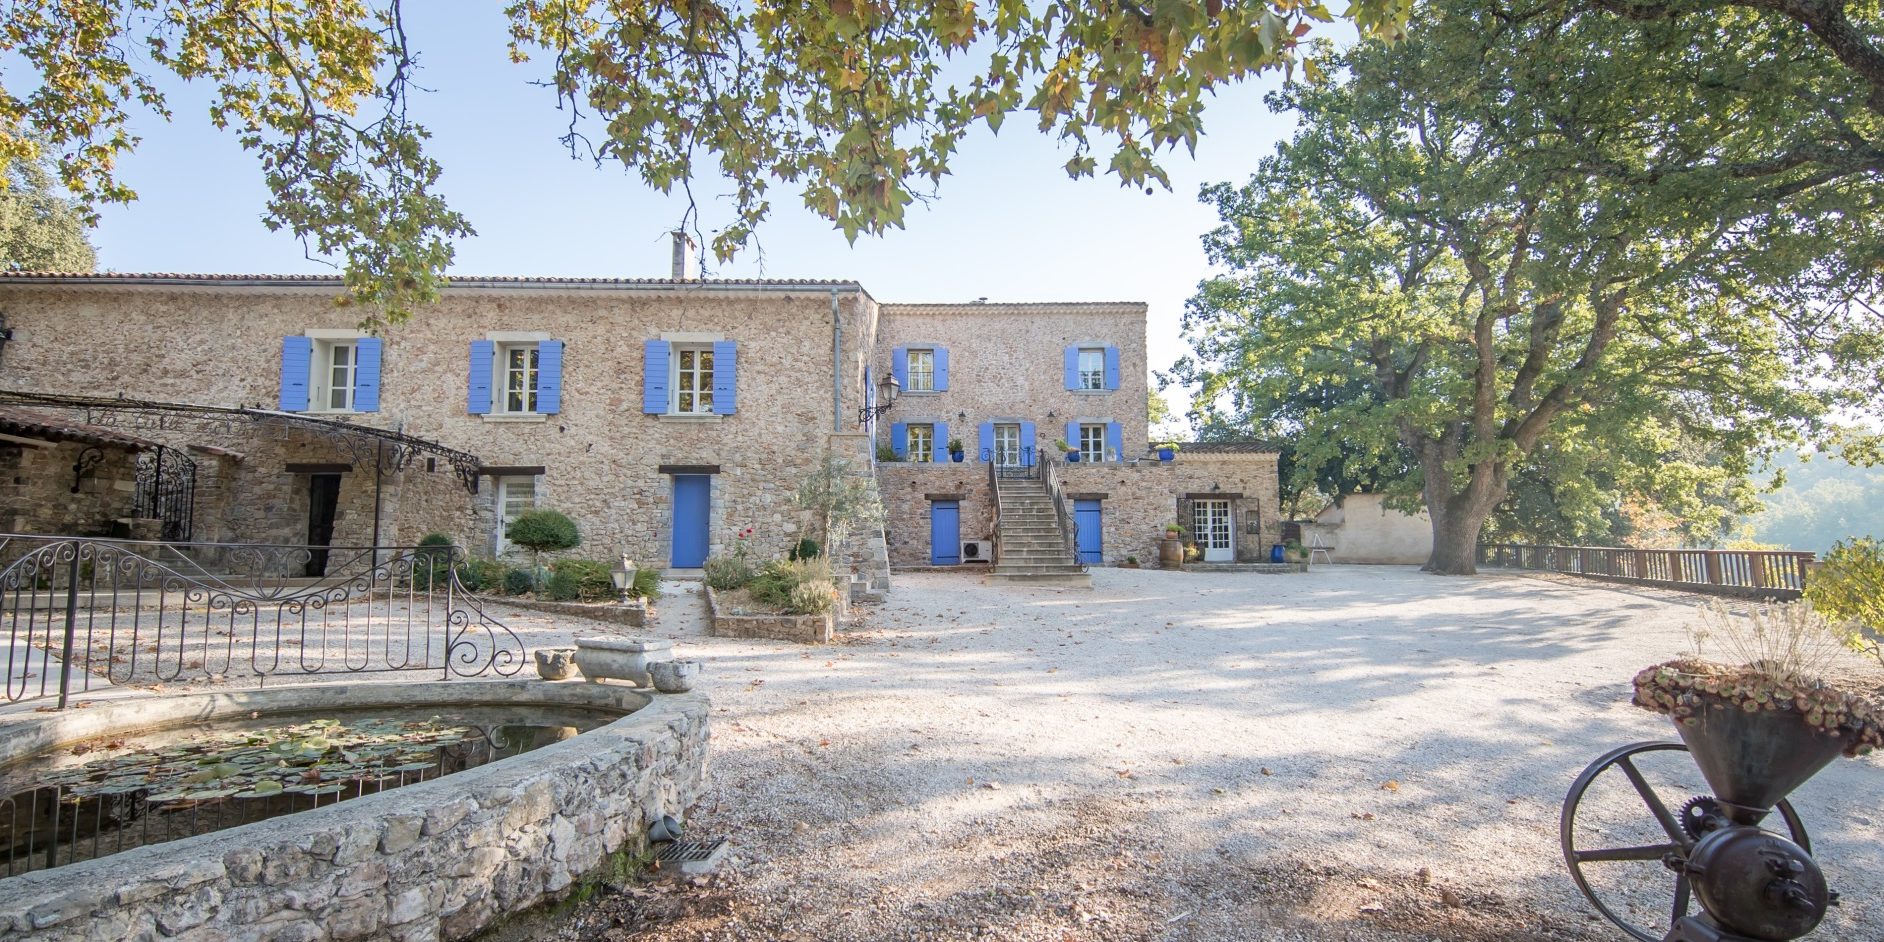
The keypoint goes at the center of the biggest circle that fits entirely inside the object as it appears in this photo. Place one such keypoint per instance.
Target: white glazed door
(1007, 446)
(1213, 531)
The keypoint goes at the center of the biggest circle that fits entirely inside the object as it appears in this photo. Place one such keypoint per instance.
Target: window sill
(688, 418)
(1092, 392)
(515, 417)
(919, 393)
(335, 412)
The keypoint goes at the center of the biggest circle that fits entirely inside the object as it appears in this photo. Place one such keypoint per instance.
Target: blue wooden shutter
(1072, 435)
(1027, 443)
(1072, 367)
(369, 352)
(1112, 367)
(725, 377)
(549, 377)
(477, 397)
(655, 377)
(899, 367)
(939, 446)
(941, 369)
(1115, 439)
(297, 355)
(987, 442)
(899, 440)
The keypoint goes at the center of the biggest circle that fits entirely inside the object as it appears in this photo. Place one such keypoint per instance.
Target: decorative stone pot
(1171, 553)
(621, 658)
(674, 676)
(556, 663)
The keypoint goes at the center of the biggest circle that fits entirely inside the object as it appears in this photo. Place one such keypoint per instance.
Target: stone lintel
(318, 467)
(690, 469)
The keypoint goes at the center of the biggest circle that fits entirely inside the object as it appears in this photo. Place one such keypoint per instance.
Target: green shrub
(483, 575)
(590, 580)
(725, 573)
(647, 585)
(1848, 589)
(431, 561)
(791, 584)
(887, 454)
(805, 549)
(519, 581)
(543, 531)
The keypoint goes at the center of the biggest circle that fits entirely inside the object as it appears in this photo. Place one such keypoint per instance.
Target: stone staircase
(1031, 548)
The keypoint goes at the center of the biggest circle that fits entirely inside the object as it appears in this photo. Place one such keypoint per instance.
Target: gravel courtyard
(1361, 753)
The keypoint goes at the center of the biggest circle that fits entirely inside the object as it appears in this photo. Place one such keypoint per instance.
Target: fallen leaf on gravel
(1450, 898)
(1362, 815)
(991, 786)
(1390, 785)
(824, 742)
(1266, 771)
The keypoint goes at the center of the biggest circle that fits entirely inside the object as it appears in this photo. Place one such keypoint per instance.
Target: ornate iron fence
(79, 614)
(1771, 574)
(166, 490)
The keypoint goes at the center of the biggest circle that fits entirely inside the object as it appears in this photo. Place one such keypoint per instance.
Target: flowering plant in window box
(955, 450)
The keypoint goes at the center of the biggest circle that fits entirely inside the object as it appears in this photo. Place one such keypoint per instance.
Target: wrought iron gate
(166, 490)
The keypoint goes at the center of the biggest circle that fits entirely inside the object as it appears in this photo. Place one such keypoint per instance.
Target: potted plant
(887, 454)
(955, 450)
(1167, 451)
(1171, 547)
(1071, 453)
(1761, 727)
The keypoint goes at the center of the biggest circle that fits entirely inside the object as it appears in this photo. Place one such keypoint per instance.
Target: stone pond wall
(439, 860)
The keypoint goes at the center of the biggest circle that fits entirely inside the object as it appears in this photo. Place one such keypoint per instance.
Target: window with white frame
(1092, 368)
(921, 371)
(1092, 443)
(922, 442)
(515, 494)
(693, 379)
(516, 375)
(336, 375)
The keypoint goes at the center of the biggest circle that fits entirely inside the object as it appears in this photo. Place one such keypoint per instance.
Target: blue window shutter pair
(725, 377)
(1115, 439)
(987, 441)
(1112, 367)
(939, 448)
(297, 359)
(899, 366)
(369, 353)
(297, 369)
(477, 399)
(899, 440)
(656, 377)
(1072, 367)
(1027, 443)
(941, 369)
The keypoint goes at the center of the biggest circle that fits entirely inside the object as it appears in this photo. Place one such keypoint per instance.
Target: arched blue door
(945, 533)
(1087, 517)
(692, 495)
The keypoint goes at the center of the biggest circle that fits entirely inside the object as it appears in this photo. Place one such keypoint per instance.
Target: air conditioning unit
(978, 551)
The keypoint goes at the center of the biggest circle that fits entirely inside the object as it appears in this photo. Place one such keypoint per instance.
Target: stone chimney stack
(686, 257)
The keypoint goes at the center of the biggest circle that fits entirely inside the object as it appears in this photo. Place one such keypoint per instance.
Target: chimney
(686, 257)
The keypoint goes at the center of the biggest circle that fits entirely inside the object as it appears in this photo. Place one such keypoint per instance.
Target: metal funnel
(1752, 760)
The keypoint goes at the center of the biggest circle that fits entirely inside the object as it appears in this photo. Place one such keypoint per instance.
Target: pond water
(101, 797)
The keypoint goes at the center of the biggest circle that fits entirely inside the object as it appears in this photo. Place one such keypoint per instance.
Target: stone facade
(810, 357)
(439, 860)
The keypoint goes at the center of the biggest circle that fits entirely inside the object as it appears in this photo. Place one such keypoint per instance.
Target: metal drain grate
(690, 858)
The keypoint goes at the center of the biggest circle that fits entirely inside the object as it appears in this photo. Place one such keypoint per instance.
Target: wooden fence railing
(1769, 574)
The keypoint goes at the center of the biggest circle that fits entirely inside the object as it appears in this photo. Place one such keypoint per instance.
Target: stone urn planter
(621, 658)
(556, 663)
(674, 676)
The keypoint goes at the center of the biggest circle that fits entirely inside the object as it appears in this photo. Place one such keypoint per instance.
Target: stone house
(665, 416)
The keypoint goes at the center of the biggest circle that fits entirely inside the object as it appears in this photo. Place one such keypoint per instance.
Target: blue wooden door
(945, 533)
(692, 493)
(1091, 531)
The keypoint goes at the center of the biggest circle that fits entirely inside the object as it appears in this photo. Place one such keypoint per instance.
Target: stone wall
(221, 345)
(37, 493)
(804, 629)
(1006, 363)
(1362, 529)
(907, 492)
(438, 860)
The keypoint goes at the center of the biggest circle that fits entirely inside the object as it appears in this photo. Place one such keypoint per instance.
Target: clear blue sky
(1008, 225)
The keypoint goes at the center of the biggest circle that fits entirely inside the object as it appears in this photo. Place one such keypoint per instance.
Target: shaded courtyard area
(1361, 753)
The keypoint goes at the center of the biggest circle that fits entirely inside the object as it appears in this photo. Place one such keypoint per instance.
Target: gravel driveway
(1360, 753)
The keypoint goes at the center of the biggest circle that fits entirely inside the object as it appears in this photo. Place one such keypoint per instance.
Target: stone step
(1071, 580)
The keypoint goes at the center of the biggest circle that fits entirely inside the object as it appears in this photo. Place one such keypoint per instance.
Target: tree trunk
(1458, 516)
(1455, 544)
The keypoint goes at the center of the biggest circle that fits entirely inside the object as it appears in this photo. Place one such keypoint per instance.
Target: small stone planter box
(632, 613)
(807, 629)
(621, 658)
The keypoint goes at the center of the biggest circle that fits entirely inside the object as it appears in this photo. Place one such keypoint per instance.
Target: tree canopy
(855, 104)
(40, 229)
(1522, 234)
